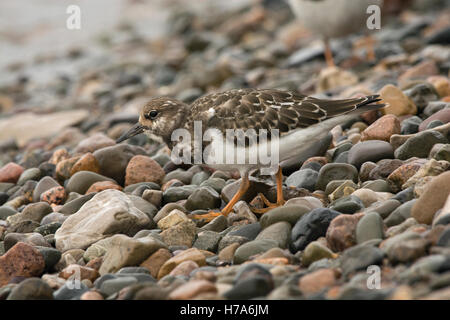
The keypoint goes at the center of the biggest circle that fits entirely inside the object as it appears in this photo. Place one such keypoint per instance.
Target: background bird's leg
(328, 53)
(280, 197)
(369, 43)
(370, 48)
(245, 184)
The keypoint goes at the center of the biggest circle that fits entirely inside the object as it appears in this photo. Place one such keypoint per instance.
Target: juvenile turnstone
(301, 122)
(333, 18)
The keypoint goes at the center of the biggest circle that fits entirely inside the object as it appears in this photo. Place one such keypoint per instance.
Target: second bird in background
(333, 19)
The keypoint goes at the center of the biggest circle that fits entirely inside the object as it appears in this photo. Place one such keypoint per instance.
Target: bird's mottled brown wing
(269, 109)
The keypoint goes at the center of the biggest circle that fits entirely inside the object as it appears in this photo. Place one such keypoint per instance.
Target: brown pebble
(341, 233)
(87, 162)
(382, 129)
(143, 169)
(316, 281)
(10, 172)
(191, 289)
(156, 260)
(103, 185)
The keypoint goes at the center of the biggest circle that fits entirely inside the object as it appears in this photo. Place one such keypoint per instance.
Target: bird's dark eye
(152, 114)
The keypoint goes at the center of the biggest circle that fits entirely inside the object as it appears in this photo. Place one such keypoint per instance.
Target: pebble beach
(366, 218)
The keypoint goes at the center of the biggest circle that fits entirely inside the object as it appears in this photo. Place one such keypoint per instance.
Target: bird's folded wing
(271, 109)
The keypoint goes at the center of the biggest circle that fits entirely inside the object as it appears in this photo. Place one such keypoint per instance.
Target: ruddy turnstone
(333, 19)
(299, 122)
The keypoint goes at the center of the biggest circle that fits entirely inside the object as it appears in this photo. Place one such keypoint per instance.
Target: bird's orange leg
(280, 197)
(245, 184)
(328, 54)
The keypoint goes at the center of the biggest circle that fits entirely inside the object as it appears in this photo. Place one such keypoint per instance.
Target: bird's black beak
(134, 130)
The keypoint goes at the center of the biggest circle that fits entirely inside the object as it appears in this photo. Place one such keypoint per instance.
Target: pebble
(310, 227)
(432, 199)
(407, 250)
(419, 145)
(279, 232)
(315, 251)
(143, 169)
(399, 103)
(203, 198)
(304, 178)
(192, 254)
(384, 208)
(31, 289)
(64, 167)
(359, 258)
(6, 211)
(251, 248)
(51, 256)
(382, 129)
(400, 214)
(113, 160)
(207, 240)
(443, 216)
(34, 212)
(71, 290)
(399, 176)
(34, 239)
(11, 172)
(46, 183)
(410, 125)
(372, 150)
(317, 281)
(365, 169)
(421, 94)
(442, 115)
(81, 272)
(22, 260)
(55, 195)
(29, 174)
(182, 234)
(336, 171)
(184, 269)
(82, 180)
(98, 220)
(125, 251)
(192, 289)
(348, 204)
(369, 197)
(94, 142)
(288, 213)
(87, 162)
(444, 239)
(70, 207)
(341, 233)
(369, 227)
(384, 168)
(103, 185)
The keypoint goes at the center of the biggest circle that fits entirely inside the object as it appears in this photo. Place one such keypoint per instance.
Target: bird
(298, 122)
(334, 19)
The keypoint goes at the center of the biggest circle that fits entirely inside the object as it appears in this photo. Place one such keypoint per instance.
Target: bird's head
(159, 117)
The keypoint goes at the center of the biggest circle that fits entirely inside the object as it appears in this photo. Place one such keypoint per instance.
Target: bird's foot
(207, 217)
(269, 205)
